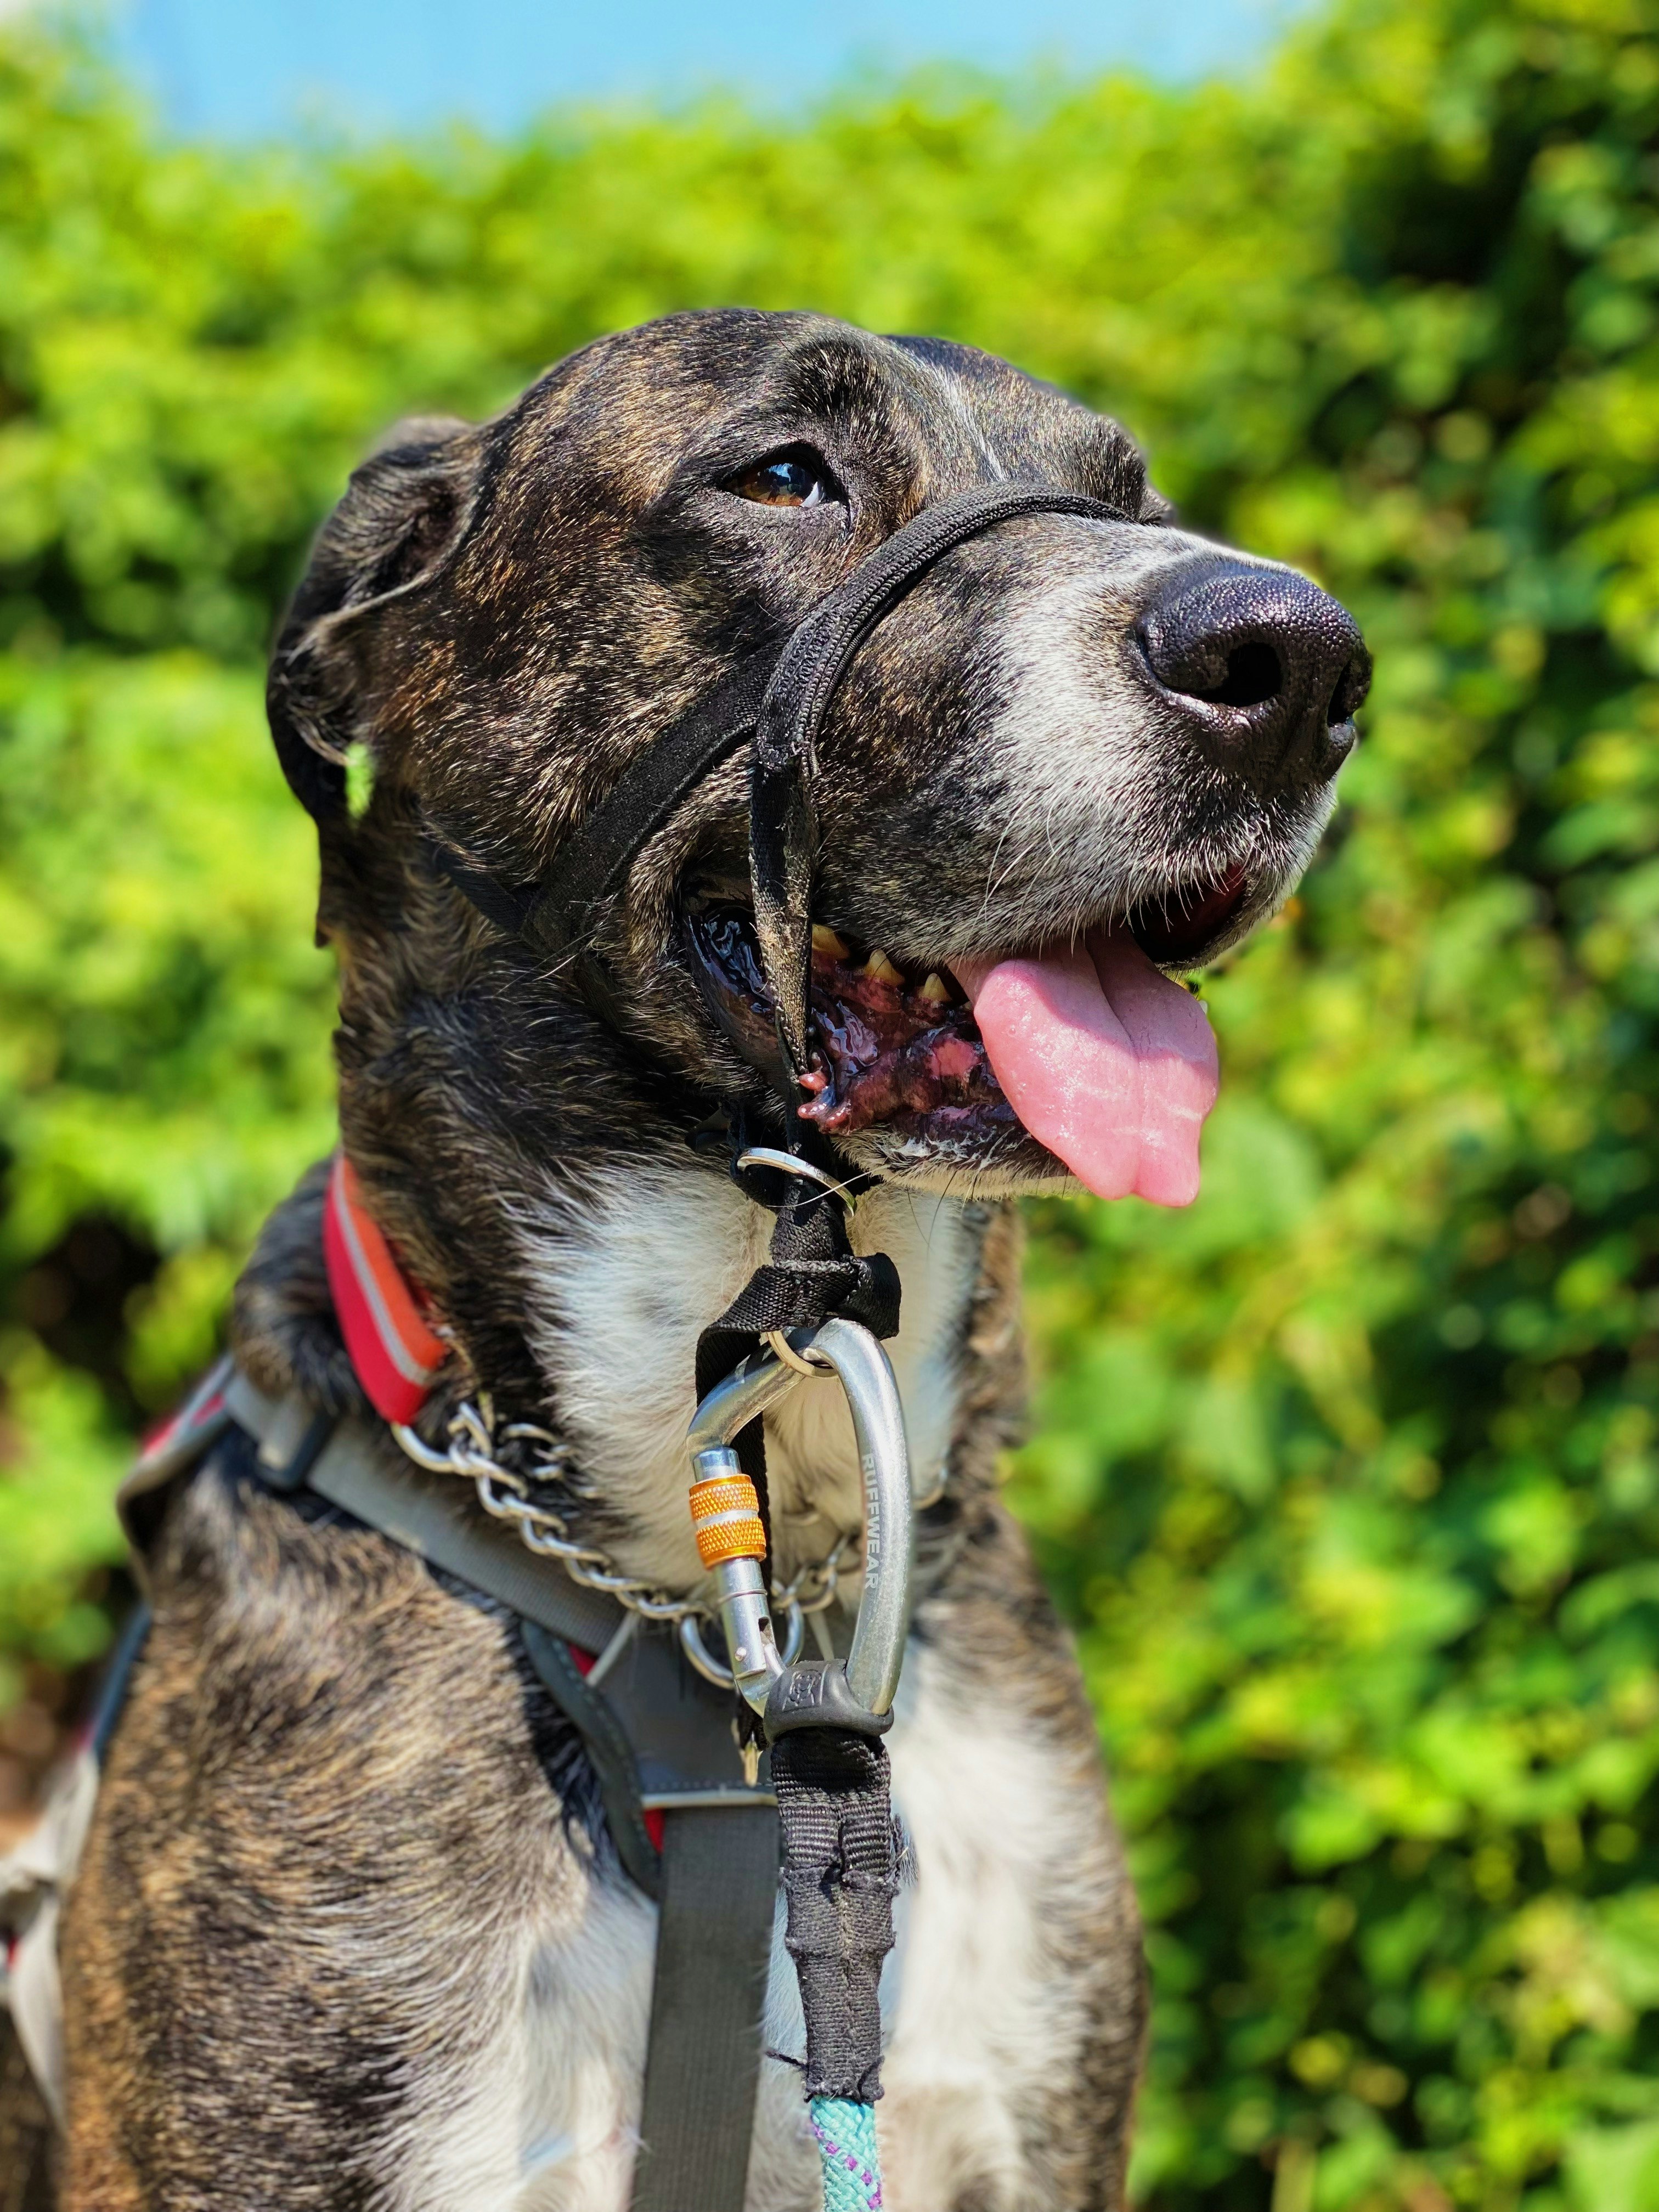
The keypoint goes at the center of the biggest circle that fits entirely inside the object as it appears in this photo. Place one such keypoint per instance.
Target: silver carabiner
(856, 1358)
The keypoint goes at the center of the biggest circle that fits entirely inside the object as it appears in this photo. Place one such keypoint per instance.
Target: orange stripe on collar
(387, 1338)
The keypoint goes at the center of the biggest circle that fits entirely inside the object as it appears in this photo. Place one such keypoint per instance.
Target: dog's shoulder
(322, 1833)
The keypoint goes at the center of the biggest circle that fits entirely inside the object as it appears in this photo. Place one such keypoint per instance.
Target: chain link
(506, 1494)
(813, 1587)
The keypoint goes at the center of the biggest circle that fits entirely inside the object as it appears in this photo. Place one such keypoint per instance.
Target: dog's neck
(623, 1284)
(621, 1274)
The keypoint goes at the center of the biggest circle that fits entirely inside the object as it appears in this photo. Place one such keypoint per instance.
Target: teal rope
(846, 2134)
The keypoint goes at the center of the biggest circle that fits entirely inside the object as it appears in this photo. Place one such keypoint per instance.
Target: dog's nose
(1265, 667)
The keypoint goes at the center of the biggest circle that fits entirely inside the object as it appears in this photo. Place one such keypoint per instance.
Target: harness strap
(428, 1513)
(707, 2011)
(609, 1752)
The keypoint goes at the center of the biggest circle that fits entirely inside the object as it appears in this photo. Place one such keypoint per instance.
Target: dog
(346, 1932)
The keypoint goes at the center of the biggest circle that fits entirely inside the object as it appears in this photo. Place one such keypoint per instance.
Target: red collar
(388, 1338)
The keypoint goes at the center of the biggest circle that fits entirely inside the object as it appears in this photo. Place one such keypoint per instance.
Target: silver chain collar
(507, 1494)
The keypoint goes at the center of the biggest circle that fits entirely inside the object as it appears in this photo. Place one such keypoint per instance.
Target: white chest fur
(977, 2023)
(625, 1284)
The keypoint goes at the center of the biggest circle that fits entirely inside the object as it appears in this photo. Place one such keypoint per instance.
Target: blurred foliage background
(1350, 1476)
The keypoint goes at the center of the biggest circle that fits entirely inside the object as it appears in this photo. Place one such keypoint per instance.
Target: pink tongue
(1106, 1061)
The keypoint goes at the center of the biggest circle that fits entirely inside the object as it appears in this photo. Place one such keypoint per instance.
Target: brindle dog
(348, 1931)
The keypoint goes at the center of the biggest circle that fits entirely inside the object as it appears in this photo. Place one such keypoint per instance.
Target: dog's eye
(798, 477)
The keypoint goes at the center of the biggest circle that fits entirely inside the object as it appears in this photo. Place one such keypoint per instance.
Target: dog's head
(1086, 740)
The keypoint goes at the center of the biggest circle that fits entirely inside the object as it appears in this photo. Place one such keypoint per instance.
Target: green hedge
(1349, 1477)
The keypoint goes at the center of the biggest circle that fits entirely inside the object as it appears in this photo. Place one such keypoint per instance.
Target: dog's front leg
(1019, 2000)
(333, 1944)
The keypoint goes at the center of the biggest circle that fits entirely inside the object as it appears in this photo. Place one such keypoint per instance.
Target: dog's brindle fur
(348, 1932)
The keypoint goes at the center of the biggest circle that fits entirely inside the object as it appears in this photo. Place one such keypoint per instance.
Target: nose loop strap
(782, 822)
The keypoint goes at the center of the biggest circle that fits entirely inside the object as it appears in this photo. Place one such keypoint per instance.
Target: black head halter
(780, 699)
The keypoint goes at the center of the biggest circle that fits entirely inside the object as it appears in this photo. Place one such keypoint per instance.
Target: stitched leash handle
(840, 1877)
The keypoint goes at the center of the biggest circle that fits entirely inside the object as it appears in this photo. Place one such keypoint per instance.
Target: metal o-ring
(710, 1669)
(768, 1156)
(787, 1353)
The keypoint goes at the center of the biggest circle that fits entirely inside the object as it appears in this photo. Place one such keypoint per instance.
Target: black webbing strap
(631, 815)
(553, 913)
(702, 2063)
(811, 1273)
(840, 1862)
(609, 1752)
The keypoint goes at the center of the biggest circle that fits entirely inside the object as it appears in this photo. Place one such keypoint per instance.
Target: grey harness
(658, 1735)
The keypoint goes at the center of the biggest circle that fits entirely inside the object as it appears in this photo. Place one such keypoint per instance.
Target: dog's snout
(1265, 667)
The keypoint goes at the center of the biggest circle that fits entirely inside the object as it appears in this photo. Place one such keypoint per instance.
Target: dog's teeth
(826, 940)
(880, 969)
(935, 989)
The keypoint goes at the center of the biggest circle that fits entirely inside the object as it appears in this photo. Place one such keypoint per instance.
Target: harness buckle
(786, 1691)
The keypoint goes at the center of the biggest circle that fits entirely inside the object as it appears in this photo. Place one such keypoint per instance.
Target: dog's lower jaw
(969, 1174)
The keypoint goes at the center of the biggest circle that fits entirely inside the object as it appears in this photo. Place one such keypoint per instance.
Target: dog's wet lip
(892, 1044)
(1181, 924)
(895, 1042)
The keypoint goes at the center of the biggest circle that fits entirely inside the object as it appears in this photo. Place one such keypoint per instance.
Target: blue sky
(237, 66)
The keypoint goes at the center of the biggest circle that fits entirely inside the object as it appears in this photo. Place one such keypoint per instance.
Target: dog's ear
(403, 513)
